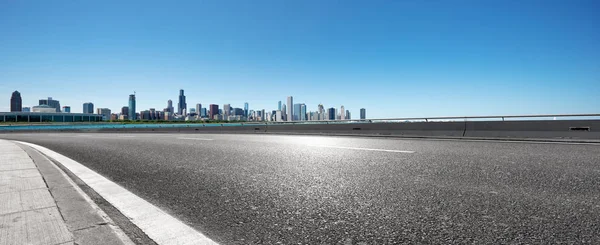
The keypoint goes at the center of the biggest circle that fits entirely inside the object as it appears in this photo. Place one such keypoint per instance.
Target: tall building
(16, 103)
(348, 117)
(88, 108)
(66, 109)
(226, 110)
(198, 108)
(132, 114)
(52, 103)
(283, 113)
(170, 106)
(246, 107)
(279, 106)
(214, 110)
(342, 113)
(290, 108)
(296, 112)
(331, 113)
(303, 112)
(203, 112)
(181, 106)
(125, 110)
(363, 113)
(238, 112)
(105, 112)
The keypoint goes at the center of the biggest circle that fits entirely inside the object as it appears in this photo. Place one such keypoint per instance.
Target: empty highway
(268, 189)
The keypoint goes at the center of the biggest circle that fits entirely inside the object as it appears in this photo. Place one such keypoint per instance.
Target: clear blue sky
(395, 58)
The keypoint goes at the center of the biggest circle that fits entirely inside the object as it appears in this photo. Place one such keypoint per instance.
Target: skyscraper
(52, 103)
(170, 106)
(342, 113)
(88, 108)
(331, 113)
(279, 105)
(214, 110)
(132, 114)
(348, 117)
(226, 110)
(302, 112)
(290, 108)
(296, 112)
(363, 113)
(283, 114)
(199, 109)
(16, 103)
(181, 105)
(124, 110)
(246, 109)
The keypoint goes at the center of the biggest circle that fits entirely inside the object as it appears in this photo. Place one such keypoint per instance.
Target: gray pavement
(265, 189)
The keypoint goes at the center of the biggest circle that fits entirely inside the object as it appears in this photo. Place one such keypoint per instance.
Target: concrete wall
(566, 129)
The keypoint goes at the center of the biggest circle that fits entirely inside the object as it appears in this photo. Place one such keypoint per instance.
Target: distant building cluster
(48, 110)
(286, 112)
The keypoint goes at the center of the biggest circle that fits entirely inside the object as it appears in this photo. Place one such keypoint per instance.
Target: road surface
(267, 189)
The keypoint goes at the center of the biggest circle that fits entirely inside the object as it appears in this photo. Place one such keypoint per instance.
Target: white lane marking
(184, 138)
(158, 225)
(364, 149)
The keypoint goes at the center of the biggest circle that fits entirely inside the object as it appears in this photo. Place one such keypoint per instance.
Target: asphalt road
(267, 189)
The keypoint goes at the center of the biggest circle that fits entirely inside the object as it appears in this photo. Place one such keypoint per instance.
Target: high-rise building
(296, 112)
(66, 109)
(283, 113)
(125, 110)
(181, 106)
(279, 106)
(198, 108)
(348, 117)
(214, 110)
(290, 108)
(52, 103)
(226, 110)
(342, 113)
(105, 112)
(203, 112)
(16, 103)
(303, 112)
(238, 112)
(246, 107)
(170, 106)
(363, 113)
(132, 114)
(88, 108)
(331, 113)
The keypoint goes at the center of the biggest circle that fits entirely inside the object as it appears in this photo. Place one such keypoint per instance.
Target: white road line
(183, 138)
(158, 225)
(364, 149)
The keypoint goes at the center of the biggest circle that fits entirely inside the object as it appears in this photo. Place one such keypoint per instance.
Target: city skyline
(397, 59)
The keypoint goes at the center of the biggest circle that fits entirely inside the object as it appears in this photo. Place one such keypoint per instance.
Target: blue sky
(394, 58)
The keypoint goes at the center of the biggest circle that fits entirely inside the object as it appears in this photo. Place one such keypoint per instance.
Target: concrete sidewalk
(39, 205)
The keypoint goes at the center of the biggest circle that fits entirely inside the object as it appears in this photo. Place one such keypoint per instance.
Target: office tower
(66, 109)
(246, 109)
(296, 112)
(342, 113)
(170, 106)
(239, 112)
(263, 115)
(124, 110)
(198, 108)
(331, 113)
(203, 112)
(88, 108)
(16, 103)
(132, 115)
(152, 114)
(52, 103)
(26, 109)
(278, 116)
(105, 112)
(348, 117)
(279, 105)
(214, 110)
(363, 113)
(290, 108)
(283, 112)
(302, 112)
(181, 106)
(226, 110)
